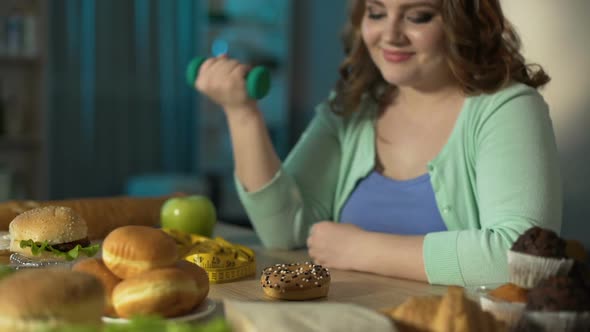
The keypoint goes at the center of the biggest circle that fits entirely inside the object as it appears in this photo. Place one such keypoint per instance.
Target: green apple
(192, 214)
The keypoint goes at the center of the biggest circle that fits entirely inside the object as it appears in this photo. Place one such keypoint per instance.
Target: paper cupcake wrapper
(527, 270)
(508, 312)
(559, 321)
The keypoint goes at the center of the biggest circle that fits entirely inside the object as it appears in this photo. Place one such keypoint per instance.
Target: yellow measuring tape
(223, 261)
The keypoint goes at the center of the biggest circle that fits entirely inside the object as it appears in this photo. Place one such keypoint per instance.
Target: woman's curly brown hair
(483, 54)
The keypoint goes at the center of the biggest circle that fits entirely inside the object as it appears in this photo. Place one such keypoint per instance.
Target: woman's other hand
(335, 245)
(348, 247)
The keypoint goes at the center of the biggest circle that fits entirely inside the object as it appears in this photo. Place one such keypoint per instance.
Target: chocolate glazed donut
(297, 281)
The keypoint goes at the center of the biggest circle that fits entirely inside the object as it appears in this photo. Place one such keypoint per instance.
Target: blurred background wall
(556, 35)
(94, 101)
(105, 102)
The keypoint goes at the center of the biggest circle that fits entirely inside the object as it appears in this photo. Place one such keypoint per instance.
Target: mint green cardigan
(497, 175)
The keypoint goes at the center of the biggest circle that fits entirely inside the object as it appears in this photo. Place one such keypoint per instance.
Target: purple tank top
(382, 204)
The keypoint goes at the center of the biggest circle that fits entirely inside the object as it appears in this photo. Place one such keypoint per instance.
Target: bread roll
(40, 299)
(102, 215)
(96, 267)
(295, 281)
(199, 275)
(168, 292)
(131, 250)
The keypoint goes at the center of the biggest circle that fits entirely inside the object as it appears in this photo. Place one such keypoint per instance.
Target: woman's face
(405, 39)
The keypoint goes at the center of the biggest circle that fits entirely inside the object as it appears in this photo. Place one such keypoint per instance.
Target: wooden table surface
(368, 290)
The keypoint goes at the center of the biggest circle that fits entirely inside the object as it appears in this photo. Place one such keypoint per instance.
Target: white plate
(204, 309)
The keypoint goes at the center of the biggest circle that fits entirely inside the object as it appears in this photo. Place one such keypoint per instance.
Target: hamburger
(50, 233)
(49, 299)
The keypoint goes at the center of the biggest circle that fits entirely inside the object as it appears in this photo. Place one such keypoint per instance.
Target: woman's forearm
(255, 159)
(397, 256)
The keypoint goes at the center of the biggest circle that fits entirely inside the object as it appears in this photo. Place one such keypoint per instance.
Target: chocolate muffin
(537, 254)
(542, 242)
(560, 302)
(559, 293)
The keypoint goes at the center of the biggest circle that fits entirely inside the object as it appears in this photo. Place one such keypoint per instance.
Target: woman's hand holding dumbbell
(236, 88)
(227, 82)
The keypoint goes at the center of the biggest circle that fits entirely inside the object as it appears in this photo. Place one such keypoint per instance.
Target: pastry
(199, 275)
(96, 268)
(541, 242)
(131, 250)
(168, 292)
(451, 312)
(47, 299)
(297, 281)
(559, 303)
(559, 293)
(510, 293)
(537, 254)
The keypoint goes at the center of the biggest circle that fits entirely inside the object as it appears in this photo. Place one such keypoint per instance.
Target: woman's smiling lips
(396, 56)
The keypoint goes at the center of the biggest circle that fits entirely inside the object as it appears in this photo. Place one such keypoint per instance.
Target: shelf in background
(18, 143)
(19, 60)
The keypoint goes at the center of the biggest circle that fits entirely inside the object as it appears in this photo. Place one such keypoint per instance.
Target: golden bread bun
(167, 292)
(96, 267)
(54, 224)
(295, 281)
(199, 275)
(131, 250)
(38, 299)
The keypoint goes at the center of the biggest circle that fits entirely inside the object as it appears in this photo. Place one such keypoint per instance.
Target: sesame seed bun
(96, 268)
(168, 292)
(131, 250)
(54, 224)
(39, 299)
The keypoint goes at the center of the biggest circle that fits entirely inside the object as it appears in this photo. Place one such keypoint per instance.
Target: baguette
(101, 214)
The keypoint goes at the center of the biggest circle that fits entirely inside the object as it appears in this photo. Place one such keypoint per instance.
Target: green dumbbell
(257, 80)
